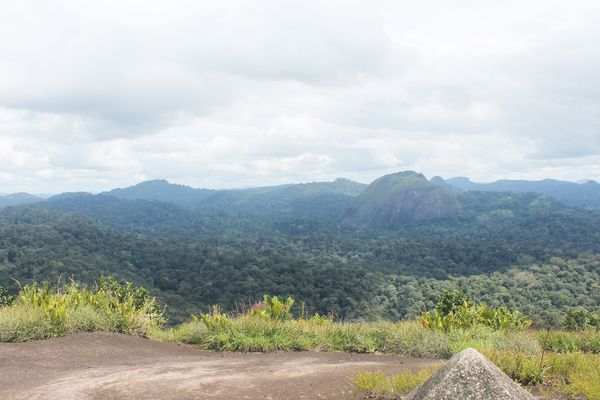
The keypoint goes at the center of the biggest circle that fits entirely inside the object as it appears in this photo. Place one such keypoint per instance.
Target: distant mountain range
(18, 199)
(317, 199)
(400, 198)
(585, 194)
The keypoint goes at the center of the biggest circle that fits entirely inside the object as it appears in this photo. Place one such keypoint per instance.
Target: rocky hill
(401, 198)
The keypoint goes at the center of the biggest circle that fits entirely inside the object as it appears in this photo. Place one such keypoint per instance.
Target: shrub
(449, 301)
(5, 298)
(581, 319)
(39, 312)
(454, 310)
(273, 307)
(193, 332)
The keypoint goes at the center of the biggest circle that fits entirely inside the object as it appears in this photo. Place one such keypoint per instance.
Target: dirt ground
(110, 366)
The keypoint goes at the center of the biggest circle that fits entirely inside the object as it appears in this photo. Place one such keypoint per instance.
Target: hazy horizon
(49, 194)
(231, 94)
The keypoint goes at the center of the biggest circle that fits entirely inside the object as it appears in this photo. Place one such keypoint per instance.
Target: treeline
(525, 263)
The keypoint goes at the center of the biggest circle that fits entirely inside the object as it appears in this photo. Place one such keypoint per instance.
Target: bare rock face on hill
(469, 376)
(402, 198)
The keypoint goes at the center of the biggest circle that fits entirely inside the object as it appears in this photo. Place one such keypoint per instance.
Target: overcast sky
(101, 94)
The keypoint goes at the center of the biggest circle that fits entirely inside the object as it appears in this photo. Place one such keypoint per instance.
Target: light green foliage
(575, 374)
(411, 339)
(566, 341)
(582, 375)
(24, 322)
(273, 307)
(273, 328)
(378, 383)
(485, 338)
(521, 367)
(455, 310)
(39, 312)
(215, 319)
(373, 382)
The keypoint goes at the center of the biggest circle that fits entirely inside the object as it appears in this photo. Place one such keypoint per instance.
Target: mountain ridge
(585, 194)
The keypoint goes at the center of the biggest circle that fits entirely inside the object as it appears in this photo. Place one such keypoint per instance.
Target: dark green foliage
(579, 318)
(450, 301)
(126, 291)
(5, 298)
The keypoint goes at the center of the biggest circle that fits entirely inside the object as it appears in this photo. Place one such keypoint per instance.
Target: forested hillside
(586, 194)
(518, 249)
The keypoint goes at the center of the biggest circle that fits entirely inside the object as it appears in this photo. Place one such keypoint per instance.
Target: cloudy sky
(100, 94)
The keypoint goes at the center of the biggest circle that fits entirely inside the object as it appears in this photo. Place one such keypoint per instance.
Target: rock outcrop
(469, 376)
(402, 198)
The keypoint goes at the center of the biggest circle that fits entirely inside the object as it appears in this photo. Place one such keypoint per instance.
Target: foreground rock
(469, 376)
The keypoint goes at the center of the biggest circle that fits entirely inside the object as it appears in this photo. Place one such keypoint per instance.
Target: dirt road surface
(110, 366)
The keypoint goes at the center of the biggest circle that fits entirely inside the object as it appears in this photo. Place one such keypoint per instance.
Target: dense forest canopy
(519, 249)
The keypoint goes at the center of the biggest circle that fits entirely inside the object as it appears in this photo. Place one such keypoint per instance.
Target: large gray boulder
(469, 376)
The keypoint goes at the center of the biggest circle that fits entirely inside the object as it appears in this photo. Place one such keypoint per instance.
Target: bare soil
(110, 366)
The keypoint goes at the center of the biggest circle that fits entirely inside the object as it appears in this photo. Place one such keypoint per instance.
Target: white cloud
(242, 93)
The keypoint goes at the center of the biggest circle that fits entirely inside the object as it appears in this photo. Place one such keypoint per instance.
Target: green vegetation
(564, 362)
(556, 361)
(533, 263)
(569, 341)
(401, 198)
(576, 375)
(455, 309)
(39, 312)
(381, 252)
(379, 383)
(579, 318)
(5, 298)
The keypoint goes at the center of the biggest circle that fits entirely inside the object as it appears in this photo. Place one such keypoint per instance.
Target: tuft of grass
(379, 383)
(521, 367)
(573, 374)
(373, 382)
(20, 323)
(86, 318)
(485, 339)
(411, 339)
(567, 341)
(408, 380)
(582, 376)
